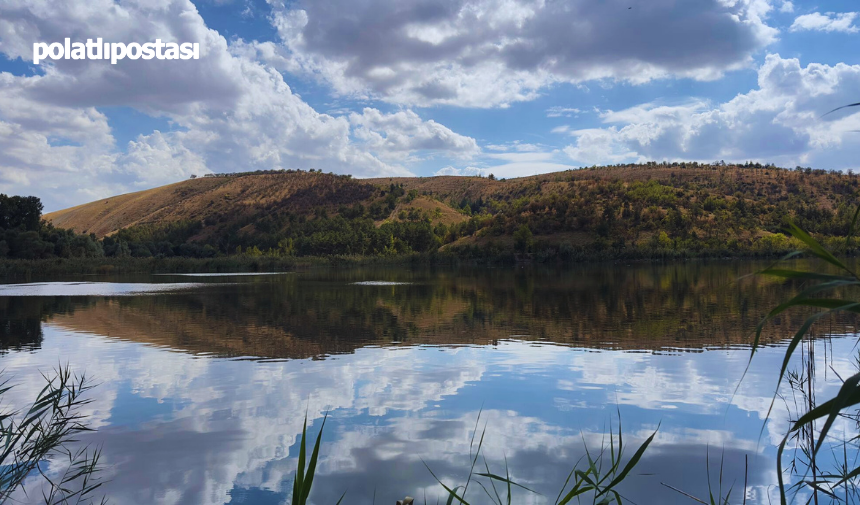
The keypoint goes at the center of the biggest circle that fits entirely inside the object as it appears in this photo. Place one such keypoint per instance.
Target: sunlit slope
(298, 191)
(104, 217)
(562, 206)
(217, 198)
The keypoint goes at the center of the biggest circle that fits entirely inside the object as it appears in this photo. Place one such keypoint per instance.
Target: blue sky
(383, 87)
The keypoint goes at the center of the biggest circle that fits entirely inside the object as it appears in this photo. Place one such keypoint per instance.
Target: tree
(20, 211)
(523, 239)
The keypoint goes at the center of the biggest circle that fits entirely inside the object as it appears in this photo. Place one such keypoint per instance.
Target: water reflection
(321, 313)
(406, 369)
(90, 288)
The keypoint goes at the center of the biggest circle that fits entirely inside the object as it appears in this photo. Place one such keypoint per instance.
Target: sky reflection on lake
(91, 288)
(201, 403)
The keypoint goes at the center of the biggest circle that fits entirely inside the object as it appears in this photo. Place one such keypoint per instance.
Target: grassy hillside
(622, 211)
(215, 199)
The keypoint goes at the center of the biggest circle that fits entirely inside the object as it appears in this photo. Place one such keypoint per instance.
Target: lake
(204, 380)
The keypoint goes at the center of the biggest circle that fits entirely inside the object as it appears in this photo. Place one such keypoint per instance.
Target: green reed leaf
(814, 247)
(312, 464)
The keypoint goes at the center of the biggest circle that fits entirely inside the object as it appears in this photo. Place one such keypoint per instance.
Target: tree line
(619, 212)
(24, 235)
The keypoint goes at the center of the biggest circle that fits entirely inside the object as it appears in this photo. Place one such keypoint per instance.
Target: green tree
(523, 239)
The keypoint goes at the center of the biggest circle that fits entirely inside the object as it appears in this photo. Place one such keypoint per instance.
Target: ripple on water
(227, 274)
(380, 283)
(93, 288)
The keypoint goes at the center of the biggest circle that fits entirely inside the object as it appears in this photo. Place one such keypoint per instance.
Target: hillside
(624, 210)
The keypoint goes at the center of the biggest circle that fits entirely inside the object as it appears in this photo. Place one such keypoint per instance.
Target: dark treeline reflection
(321, 312)
(21, 318)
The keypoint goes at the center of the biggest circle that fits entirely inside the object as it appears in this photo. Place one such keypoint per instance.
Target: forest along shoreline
(283, 220)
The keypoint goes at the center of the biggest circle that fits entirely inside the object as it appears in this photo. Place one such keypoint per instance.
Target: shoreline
(16, 270)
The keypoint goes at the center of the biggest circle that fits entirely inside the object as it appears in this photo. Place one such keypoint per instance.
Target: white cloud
(779, 122)
(598, 147)
(562, 111)
(466, 171)
(516, 146)
(491, 53)
(513, 159)
(512, 166)
(533, 156)
(44, 144)
(156, 158)
(399, 134)
(829, 22)
(230, 113)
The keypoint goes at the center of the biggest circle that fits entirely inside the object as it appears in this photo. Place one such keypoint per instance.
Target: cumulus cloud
(157, 158)
(487, 53)
(513, 159)
(778, 122)
(44, 143)
(160, 85)
(465, 171)
(231, 113)
(397, 135)
(596, 146)
(513, 166)
(829, 22)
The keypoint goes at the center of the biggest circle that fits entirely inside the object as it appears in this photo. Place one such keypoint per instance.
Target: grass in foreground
(594, 478)
(44, 435)
(829, 293)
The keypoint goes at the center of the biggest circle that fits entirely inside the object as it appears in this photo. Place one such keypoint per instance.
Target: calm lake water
(204, 381)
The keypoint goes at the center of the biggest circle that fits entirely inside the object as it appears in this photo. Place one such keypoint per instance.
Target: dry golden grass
(247, 197)
(219, 198)
(229, 198)
(446, 215)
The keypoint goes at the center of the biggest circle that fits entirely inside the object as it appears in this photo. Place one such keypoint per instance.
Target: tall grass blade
(452, 493)
(312, 464)
(298, 482)
(506, 480)
(852, 227)
(508, 473)
(341, 498)
(814, 247)
(630, 464)
(843, 107)
(493, 484)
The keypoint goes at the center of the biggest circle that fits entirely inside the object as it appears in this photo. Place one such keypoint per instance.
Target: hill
(623, 211)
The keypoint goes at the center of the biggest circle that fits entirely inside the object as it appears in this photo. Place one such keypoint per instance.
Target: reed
(594, 478)
(47, 433)
(829, 289)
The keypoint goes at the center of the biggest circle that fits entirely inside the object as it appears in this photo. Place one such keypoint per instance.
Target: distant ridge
(710, 207)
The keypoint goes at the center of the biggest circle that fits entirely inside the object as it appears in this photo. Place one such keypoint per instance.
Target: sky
(379, 88)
